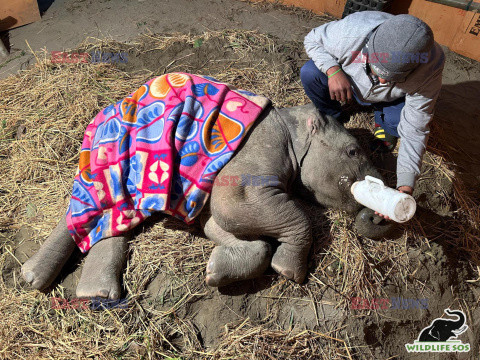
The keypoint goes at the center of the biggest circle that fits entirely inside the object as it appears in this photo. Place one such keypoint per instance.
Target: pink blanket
(157, 150)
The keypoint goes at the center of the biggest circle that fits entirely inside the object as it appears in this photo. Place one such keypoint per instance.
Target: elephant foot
(101, 273)
(229, 264)
(43, 267)
(291, 262)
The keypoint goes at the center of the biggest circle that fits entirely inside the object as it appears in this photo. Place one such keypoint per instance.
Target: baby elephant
(251, 198)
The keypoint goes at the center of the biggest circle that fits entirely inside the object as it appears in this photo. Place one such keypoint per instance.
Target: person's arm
(414, 120)
(317, 45)
(336, 42)
(414, 128)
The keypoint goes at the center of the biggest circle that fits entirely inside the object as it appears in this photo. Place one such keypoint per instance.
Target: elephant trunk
(372, 226)
(461, 317)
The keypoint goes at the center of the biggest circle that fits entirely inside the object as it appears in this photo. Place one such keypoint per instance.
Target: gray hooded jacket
(337, 43)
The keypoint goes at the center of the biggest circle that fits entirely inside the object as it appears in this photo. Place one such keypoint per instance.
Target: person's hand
(404, 189)
(384, 216)
(339, 85)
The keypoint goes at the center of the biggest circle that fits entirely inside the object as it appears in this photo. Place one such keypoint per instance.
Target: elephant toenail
(103, 293)
(28, 276)
(288, 274)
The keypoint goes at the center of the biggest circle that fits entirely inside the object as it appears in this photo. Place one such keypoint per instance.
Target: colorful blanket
(157, 150)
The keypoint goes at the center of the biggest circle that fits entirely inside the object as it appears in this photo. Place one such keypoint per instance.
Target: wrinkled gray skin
(297, 146)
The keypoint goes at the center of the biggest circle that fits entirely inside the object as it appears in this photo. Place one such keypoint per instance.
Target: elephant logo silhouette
(441, 335)
(444, 329)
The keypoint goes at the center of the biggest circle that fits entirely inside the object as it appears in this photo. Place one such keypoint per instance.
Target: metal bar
(3, 50)
(467, 5)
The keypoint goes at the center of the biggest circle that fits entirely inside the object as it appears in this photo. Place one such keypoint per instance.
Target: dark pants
(315, 83)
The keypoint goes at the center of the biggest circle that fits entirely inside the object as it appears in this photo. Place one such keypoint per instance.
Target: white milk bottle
(372, 193)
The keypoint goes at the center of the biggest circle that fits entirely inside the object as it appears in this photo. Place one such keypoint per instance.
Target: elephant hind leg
(45, 265)
(234, 259)
(102, 271)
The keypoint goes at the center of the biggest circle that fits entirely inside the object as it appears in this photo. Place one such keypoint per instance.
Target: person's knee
(388, 121)
(309, 74)
(306, 76)
(391, 119)
(391, 128)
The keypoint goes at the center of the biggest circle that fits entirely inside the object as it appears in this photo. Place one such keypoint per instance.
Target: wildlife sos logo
(441, 335)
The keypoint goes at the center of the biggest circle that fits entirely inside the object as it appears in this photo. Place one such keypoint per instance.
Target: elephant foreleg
(294, 234)
(270, 212)
(234, 259)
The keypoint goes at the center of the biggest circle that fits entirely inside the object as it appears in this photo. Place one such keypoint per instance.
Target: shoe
(384, 142)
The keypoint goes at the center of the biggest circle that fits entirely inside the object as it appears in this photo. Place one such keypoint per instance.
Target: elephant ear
(316, 123)
(435, 333)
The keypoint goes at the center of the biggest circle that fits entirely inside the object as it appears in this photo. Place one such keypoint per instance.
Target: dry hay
(246, 341)
(43, 113)
(298, 12)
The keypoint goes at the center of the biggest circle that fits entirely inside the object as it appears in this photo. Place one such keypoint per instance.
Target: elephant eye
(353, 151)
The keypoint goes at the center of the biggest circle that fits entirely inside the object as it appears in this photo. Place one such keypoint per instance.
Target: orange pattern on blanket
(219, 130)
(84, 166)
(162, 85)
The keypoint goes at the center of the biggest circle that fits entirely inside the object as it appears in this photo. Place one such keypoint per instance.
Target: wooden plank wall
(458, 29)
(14, 13)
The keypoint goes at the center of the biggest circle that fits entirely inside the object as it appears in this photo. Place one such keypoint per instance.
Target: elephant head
(444, 329)
(331, 160)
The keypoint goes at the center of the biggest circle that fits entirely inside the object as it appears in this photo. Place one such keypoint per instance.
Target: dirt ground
(268, 317)
(68, 22)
